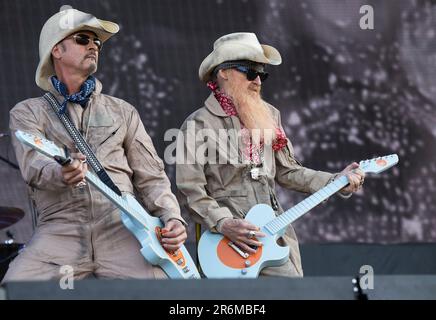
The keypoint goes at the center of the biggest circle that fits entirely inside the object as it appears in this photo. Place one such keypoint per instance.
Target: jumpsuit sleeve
(149, 178)
(38, 170)
(292, 175)
(191, 182)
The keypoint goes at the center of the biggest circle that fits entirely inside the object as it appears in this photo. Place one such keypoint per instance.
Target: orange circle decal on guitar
(381, 162)
(229, 257)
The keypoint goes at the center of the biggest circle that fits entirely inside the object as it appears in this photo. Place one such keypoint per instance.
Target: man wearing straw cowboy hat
(77, 226)
(218, 193)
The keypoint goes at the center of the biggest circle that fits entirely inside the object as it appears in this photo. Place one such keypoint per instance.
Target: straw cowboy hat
(60, 26)
(237, 46)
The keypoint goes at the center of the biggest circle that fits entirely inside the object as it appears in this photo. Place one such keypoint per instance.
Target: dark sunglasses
(252, 74)
(83, 40)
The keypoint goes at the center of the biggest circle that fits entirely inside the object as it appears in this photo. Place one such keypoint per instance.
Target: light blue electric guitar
(147, 229)
(221, 258)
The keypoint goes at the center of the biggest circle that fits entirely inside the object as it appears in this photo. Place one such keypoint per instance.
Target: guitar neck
(120, 202)
(280, 223)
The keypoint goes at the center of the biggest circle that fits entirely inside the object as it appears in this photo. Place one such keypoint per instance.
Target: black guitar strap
(81, 143)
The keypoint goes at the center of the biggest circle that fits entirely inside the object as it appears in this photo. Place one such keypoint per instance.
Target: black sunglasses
(252, 74)
(83, 40)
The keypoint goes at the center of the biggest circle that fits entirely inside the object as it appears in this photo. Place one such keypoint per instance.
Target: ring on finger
(251, 234)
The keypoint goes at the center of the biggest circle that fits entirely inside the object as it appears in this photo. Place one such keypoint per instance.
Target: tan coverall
(212, 192)
(79, 227)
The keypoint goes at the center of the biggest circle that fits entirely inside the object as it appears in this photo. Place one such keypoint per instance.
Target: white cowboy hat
(60, 26)
(238, 46)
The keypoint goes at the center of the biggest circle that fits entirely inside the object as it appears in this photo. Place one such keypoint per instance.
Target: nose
(92, 46)
(257, 81)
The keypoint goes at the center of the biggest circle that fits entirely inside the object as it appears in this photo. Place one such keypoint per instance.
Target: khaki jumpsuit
(212, 192)
(79, 227)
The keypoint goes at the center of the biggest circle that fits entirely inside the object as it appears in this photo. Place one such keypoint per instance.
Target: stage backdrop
(345, 93)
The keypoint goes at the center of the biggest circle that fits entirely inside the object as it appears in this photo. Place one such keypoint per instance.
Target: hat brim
(237, 51)
(102, 28)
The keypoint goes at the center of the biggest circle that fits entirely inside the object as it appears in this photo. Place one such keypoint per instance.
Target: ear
(56, 52)
(223, 74)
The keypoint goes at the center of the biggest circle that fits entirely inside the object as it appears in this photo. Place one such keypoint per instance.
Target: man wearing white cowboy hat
(77, 225)
(219, 195)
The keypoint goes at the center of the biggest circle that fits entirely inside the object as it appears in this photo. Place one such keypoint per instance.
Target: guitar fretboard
(281, 222)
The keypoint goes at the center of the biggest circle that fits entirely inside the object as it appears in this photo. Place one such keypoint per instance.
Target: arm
(38, 171)
(292, 175)
(149, 177)
(152, 183)
(191, 181)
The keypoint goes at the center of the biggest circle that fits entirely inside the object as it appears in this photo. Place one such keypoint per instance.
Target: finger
(78, 156)
(355, 184)
(72, 175)
(353, 178)
(260, 234)
(253, 242)
(173, 228)
(78, 173)
(173, 233)
(257, 233)
(72, 166)
(75, 179)
(172, 247)
(360, 172)
(175, 241)
(249, 241)
(248, 225)
(245, 247)
(84, 168)
(353, 166)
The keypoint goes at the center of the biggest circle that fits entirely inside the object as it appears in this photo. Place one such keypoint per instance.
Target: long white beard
(253, 113)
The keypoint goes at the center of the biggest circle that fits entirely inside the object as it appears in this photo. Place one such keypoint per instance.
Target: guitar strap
(81, 143)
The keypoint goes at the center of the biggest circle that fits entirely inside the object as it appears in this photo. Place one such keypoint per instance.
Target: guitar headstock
(43, 145)
(380, 164)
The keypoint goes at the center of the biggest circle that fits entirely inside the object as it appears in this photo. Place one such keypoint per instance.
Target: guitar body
(177, 265)
(219, 260)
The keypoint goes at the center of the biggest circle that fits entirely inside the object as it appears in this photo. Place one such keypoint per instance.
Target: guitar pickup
(185, 269)
(180, 261)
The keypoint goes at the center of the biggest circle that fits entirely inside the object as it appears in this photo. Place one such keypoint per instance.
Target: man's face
(239, 79)
(80, 57)
(246, 97)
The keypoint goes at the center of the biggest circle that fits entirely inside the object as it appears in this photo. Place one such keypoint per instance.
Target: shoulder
(112, 101)
(116, 106)
(273, 109)
(31, 106)
(201, 116)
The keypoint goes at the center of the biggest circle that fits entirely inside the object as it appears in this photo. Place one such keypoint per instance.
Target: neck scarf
(80, 97)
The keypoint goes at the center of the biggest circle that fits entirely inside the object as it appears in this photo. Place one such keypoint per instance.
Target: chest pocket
(104, 131)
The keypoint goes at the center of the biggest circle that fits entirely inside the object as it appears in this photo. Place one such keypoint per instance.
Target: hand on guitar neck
(355, 176)
(73, 169)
